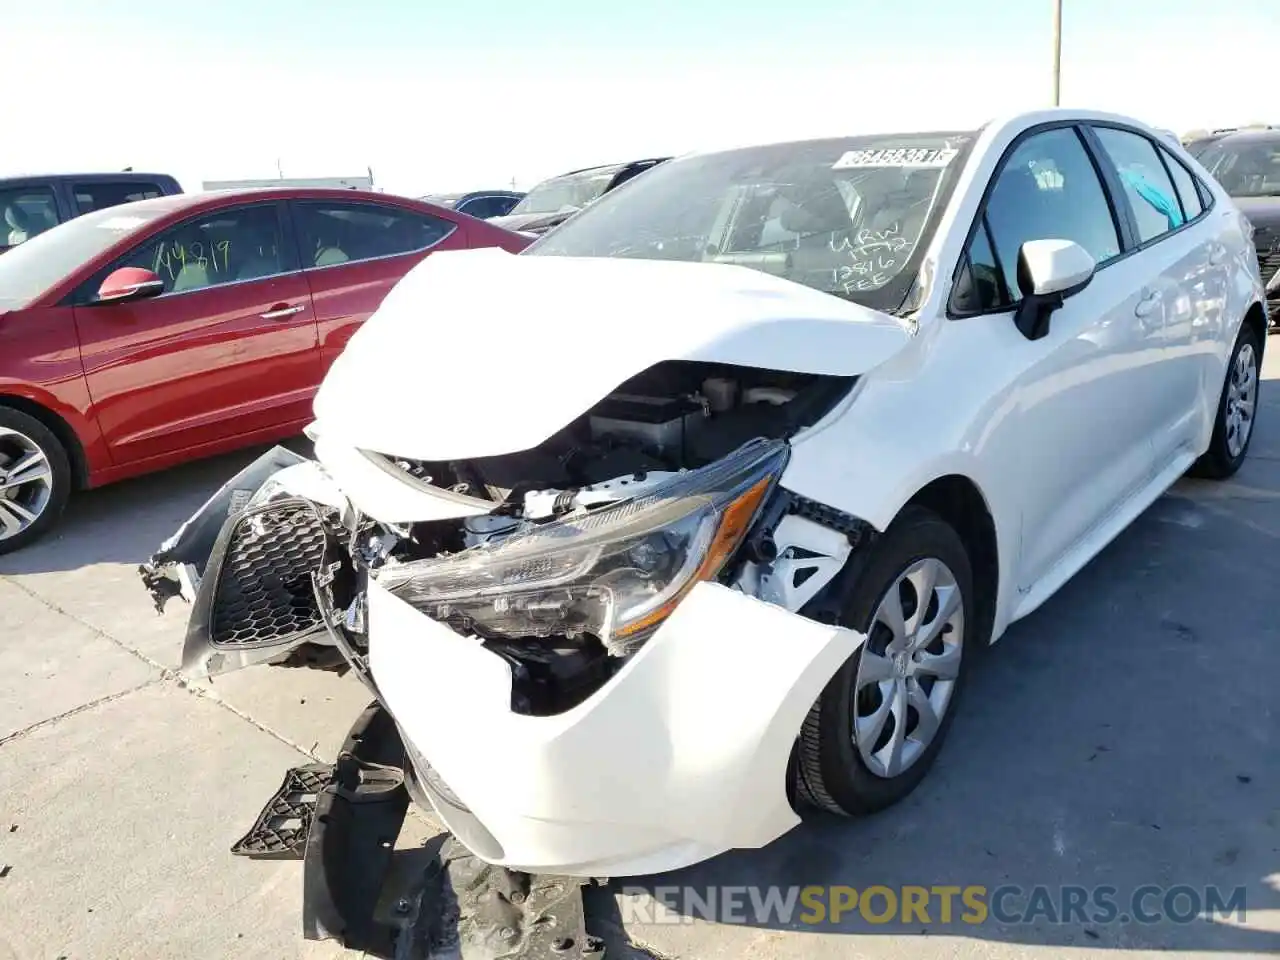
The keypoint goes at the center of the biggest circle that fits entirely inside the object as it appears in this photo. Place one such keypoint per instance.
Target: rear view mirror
(129, 283)
(1049, 271)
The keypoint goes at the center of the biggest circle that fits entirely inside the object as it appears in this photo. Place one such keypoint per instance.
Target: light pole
(1057, 51)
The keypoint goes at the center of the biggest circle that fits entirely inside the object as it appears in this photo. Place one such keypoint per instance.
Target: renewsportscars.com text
(973, 904)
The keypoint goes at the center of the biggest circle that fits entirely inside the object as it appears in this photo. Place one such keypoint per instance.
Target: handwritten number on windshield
(171, 258)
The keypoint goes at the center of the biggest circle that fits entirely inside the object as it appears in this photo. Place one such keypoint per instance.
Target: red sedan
(141, 336)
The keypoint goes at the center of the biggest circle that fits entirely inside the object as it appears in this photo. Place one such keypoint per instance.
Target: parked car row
(553, 201)
(549, 203)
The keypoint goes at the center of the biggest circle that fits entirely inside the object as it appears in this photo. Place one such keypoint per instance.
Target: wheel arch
(1256, 319)
(60, 428)
(959, 501)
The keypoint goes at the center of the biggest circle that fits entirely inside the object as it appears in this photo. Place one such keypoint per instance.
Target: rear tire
(35, 479)
(1233, 425)
(846, 762)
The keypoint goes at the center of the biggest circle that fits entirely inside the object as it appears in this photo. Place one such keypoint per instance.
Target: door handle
(279, 313)
(1147, 304)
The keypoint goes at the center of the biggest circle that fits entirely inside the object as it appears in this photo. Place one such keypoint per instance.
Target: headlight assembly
(615, 573)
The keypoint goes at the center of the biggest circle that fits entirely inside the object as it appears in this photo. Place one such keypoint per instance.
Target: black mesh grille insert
(264, 588)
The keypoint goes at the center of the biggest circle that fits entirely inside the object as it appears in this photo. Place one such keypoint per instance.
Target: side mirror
(129, 283)
(1049, 271)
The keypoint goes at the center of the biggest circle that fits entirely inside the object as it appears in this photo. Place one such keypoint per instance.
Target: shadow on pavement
(125, 522)
(1126, 734)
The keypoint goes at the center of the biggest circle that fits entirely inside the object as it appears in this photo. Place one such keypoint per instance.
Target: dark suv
(31, 205)
(1247, 163)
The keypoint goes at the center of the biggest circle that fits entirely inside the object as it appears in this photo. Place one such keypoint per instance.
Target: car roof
(99, 175)
(605, 167)
(1256, 135)
(470, 193)
(214, 198)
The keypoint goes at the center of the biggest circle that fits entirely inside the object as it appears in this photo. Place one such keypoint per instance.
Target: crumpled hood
(481, 352)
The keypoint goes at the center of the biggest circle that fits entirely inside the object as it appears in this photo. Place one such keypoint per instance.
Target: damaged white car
(695, 513)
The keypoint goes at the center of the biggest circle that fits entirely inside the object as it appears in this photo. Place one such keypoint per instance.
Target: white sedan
(691, 516)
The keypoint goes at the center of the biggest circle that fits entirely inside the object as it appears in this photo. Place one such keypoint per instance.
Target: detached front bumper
(679, 757)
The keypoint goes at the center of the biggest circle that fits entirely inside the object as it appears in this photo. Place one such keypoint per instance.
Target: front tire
(35, 479)
(878, 726)
(1237, 410)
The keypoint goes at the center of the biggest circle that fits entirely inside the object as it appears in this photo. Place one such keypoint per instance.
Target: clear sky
(441, 95)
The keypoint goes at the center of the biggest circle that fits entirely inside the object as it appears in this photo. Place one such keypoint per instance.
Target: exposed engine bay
(675, 416)
(292, 567)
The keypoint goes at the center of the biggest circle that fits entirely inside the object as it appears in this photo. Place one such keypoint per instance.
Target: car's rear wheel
(879, 724)
(35, 479)
(1237, 410)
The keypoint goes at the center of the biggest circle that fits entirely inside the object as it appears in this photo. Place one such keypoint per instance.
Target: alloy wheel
(909, 667)
(26, 482)
(1242, 398)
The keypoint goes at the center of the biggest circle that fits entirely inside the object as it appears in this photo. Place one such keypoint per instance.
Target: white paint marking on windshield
(121, 223)
(896, 157)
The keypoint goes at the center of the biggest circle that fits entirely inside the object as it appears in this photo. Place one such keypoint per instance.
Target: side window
(480, 207)
(1047, 190)
(26, 212)
(980, 285)
(485, 207)
(1150, 191)
(1185, 184)
(96, 196)
(1206, 198)
(229, 246)
(332, 233)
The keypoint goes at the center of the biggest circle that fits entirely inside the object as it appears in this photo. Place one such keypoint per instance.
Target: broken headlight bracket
(761, 549)
(334, 617)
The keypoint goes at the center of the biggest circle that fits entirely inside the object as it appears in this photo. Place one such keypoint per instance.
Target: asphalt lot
(1128, 733)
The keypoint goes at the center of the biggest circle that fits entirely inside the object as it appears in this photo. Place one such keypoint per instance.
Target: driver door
(226, 355)
(1082, 404)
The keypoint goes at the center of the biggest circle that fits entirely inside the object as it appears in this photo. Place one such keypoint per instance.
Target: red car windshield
(31, 268)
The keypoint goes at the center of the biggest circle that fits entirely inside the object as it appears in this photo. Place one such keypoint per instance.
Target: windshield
(849, 217)
(1245, 167)
(31, 268)
(568, 193)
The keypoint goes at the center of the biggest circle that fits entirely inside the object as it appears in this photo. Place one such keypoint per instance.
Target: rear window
(100, 195)
(29, 270)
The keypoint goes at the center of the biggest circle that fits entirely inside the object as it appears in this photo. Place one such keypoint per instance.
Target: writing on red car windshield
(172, 257)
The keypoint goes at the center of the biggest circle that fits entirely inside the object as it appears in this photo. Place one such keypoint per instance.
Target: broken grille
(264, 590)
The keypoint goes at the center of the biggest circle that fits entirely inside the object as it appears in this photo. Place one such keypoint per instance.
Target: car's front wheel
(35, 479)
(880, 722)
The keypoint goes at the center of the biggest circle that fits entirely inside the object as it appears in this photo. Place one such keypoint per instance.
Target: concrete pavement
(1127, 733)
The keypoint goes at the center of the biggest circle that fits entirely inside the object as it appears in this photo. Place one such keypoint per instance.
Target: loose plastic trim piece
(280, 832)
